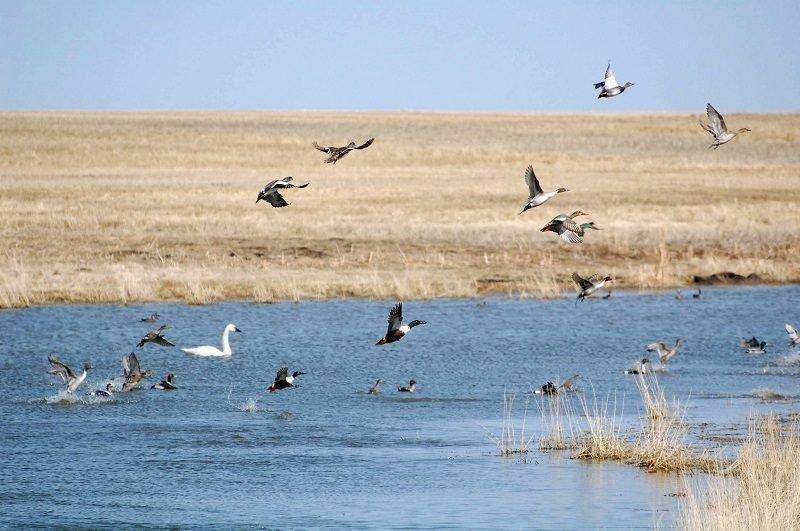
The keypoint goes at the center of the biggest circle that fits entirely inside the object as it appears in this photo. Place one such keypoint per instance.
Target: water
(220, 452)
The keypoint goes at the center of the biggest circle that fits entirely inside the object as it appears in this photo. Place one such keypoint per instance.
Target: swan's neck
(226, 347)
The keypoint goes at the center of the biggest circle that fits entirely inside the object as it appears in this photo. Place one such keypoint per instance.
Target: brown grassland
(145, 206)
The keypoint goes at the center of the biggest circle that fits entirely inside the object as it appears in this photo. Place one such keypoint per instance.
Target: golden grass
(511, 440)
(130, 207)
(764, 495)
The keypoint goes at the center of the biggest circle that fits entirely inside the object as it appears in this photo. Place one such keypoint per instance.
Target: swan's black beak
(236, 329)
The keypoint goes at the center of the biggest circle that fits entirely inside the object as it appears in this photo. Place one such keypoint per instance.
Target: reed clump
(511, 441)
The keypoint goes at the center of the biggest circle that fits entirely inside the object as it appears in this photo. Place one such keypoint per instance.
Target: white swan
(208, 350)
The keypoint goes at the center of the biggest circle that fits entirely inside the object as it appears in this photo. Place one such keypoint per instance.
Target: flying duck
(754, 346)
(72, 380)
(567, 229)
(283, 380)
(271, 195)
(537, 196)
(336, 153)
(587, 286)
(155, 336)
(412, 386)
(376, 389)
(133, 372)
(643, 368)
(547, 389)
(717, 129)
(166, 384)
(794, 337)
(569, 382)
(152, 318)
(610, 85)
(665, 353)
(397, 329)
(104, 393)
(208, 350)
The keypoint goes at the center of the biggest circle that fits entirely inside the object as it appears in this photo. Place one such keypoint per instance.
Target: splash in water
(249, 406)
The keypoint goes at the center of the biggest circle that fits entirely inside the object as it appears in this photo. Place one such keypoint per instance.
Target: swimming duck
(698, 294)
(72, 380)
(166, 384)
(336, 153)
(271, 195)
(587, 286)
(156, 336)
(717, 129)
(567, 229)
(208, 350)
(397, 329)
(152, 318)
(644, 368)
(537, 196)
(412, 386)
(376, 389)
(283, 380)
(754, 346)
(794, 337)
(609, 85)
(133, 372)
(107, 393)
(547, 389)
(665, 353)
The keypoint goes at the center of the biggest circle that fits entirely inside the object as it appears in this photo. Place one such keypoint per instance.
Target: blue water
(220, 452)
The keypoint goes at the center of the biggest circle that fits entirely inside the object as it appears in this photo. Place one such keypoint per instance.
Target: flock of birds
(563, 225)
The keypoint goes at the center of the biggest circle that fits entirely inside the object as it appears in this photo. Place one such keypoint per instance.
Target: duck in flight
(132, 372)
(537, 196)
(105, 393)
(665, 352)
(156, 337)
(270, 193)
(567, 229)
(336, 153)
(643, 368)
(410, 388)
(754, 346)
(794, 337)
(610, 85)
(587, 286)
(152, 318)
(547, 389)
(717, 129)
(376, 389)
(209, 351)
(397, 329)
(69, 377)
(167, 384)
(283, 380)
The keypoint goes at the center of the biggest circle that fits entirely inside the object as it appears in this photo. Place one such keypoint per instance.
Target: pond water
(221, 452)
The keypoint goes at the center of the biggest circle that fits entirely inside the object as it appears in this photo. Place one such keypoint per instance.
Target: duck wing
(715, 120)
(323, 149)
(582, 283)
(129, 365)
(395, 319)
(366, 144)
(792, 331)
(275, 199)
(283, 372)
(60, 369)
(610, 81)
(569, 236)
(533, 183)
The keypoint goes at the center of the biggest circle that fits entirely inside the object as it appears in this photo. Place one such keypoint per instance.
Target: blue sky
(528, 56)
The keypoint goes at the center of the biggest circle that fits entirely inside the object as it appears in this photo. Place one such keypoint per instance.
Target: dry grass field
(121, 207)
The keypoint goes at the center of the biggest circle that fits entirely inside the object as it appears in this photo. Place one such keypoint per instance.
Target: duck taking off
(794, 337)
(271, 195)
(643, 368)
(665, 352)
(410, 388)
(547, 389)
(610, 85)
(336, 153)
(537, 196)
(167, 384)
(69, 377)
(376, 389)
(283, 380)
(568, 384)
(133, 372)
(587, 286)
(567, 229)
(397, 329)
(717, 129)
(208, 350)
(105, 393)
(157, 337)
(754, 346)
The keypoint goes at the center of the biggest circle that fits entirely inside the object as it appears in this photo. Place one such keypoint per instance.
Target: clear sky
(471, 55)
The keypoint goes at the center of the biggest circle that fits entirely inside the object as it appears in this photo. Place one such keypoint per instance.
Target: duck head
(295, 374)
(590, 225)
(87, 366)
(169, 377)
(561, 190)
(608, 279)
(629, 84)
(414, 323)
